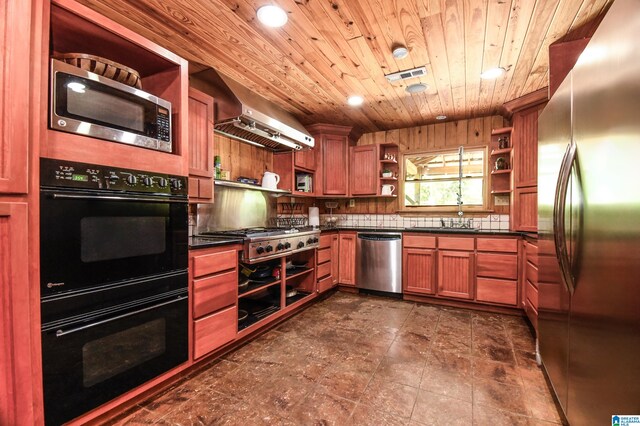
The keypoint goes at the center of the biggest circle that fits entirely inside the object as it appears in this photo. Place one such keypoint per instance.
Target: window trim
(485, 207)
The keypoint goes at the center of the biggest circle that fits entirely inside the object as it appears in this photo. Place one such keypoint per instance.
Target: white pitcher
(270, 180)
(387, 189)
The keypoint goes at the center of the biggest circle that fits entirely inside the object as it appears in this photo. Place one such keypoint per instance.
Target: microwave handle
(115, 198)
(60, 333)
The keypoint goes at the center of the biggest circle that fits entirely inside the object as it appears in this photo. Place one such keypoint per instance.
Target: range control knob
(280, 246)
(132, 180)
(268, 249)
(176, 184)
(113, 178)
(162, 183)
(315, 239)
(259, 249)
(147, 181)
(310, 241)
(300, 244)
(287, 245)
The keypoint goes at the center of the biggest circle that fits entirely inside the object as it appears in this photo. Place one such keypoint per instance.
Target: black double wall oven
(114, 298)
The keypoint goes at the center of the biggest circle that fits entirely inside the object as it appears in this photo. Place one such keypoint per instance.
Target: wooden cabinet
(332, 159)
(525, 139)
(305, 159)
(201, 170)
(419, 263)
(497, 270)
(530, 279)
(347, 266)
(327, 261)
(15, 82)
(363, 172)
(214, 290)
(525, 209)
(455, 274)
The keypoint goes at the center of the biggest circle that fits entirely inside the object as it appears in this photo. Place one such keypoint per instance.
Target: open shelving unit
(389, 156)
(501, 178)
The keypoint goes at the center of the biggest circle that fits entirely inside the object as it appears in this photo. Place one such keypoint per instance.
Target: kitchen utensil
(243, 284)
(270, 180)
(103, 67)
(387, 189)
(242, 315)
(291, 292)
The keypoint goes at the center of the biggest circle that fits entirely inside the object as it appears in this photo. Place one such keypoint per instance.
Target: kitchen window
(431, 180)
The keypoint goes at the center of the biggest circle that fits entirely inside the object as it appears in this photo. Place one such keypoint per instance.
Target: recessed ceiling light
(416, 88)
(272, 16)
(441, 117)
(355, 100)
(400, 52)
(492, 73)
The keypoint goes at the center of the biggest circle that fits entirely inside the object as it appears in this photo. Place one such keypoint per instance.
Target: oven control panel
(68, 174)
(273, 247)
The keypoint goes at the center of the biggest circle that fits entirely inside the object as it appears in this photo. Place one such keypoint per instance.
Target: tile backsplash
(490, 222)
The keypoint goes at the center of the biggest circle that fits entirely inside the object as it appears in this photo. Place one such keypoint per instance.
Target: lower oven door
(90, 360)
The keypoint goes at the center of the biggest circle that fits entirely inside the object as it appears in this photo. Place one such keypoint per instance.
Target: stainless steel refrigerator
(589, 226)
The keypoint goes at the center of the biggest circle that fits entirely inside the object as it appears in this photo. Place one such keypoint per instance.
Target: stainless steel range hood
(243, 115)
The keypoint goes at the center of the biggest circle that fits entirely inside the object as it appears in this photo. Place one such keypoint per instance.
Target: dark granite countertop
(196, 242)
(430, 231)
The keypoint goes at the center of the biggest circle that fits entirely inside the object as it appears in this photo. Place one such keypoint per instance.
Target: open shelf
(501, 151)
(500, 172)
(259, 309)
(501, 191)
(389, 178)
(255, 288)
(501, 131)
(296, 272)
(389, 161)
(298, 297)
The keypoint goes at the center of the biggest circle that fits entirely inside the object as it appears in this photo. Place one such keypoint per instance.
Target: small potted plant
(386, 173)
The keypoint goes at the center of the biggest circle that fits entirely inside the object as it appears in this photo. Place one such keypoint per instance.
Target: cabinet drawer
(325, 240)
(531, 251)
(215, 262)
(324, 270)
(324, 255)
(213, 293)
(497, 266)
(505, 245)
(213, 331)
(455, 243)
(418, 241)
(531, 274)
(325, 284)
(532, 294)
(497, 291)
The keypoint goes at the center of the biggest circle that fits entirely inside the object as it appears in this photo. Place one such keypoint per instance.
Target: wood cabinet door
(201, 142)
(455, 274)
(525, 146)
(419, 270)
(305, 159)
(525, 209)
(16, 327)
(335, 165)
(363, 170)
(335, 259)
(347, 263)
(15, 94)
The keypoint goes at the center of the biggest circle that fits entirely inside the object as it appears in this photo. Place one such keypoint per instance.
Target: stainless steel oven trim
(67, 124)
(60, 333)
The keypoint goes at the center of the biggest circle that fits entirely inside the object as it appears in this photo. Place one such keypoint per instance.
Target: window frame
(486, 186)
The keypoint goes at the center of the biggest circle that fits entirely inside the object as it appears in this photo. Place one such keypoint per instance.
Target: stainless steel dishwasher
(379, 261)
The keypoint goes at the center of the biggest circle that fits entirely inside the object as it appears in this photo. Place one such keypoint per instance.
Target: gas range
(271, 243)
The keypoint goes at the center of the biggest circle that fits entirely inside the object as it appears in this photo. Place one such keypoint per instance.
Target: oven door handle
(116, 198)
(60, 333)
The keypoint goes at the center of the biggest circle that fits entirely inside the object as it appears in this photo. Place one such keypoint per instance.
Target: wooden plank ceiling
(331, 49)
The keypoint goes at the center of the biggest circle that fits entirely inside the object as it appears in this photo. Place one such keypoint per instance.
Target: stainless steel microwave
(88, 104)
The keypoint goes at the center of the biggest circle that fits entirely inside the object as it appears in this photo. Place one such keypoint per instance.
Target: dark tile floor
(362, 360)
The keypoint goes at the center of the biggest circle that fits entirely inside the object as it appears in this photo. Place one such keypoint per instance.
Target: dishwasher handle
(380, 237)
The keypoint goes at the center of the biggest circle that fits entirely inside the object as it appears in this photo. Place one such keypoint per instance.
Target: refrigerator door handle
(559, 234)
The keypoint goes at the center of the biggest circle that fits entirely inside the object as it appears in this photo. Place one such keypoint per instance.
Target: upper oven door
(89, 239)
(86, 103)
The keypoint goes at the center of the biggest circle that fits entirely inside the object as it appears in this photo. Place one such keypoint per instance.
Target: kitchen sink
(445, 229)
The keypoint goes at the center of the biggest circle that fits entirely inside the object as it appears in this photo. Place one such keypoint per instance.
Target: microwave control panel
(68, 174)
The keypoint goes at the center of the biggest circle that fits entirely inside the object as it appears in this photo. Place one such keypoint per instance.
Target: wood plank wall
(452, 134)
(242, 159)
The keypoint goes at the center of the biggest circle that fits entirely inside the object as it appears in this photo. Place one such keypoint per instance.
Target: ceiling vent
(404, 75)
